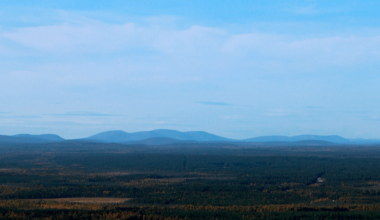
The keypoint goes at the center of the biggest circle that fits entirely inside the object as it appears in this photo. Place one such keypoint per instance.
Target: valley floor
(189, 182)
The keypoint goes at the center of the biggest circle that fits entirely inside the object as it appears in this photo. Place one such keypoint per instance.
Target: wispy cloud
(370, 118)
(82, 114)
(230, 117)
(216, 103)
(97, 36)
(19, 116)
(314, 107)
(281, 113)
(160, 122)
(197, 41)
(314, 10)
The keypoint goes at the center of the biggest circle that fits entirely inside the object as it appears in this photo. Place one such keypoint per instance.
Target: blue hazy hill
(330, 138)
(122, 136)
(159, 141)
(47, 137)
(201, 136)
(27, 138)
(165, 136)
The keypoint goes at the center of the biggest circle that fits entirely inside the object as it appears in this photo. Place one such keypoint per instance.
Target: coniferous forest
(83, 180)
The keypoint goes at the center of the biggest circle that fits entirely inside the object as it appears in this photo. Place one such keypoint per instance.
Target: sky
(237, 69)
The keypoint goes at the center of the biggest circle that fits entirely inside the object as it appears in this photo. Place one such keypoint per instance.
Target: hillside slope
(122, 137)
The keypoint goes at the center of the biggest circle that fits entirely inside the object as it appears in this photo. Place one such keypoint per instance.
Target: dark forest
(188, 181)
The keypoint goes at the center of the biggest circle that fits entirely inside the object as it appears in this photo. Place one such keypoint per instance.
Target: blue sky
(238, 69)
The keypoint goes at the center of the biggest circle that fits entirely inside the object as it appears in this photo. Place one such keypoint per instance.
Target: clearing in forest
(93, 200)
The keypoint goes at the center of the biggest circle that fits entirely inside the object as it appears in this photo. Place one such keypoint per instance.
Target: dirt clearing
(92, 200)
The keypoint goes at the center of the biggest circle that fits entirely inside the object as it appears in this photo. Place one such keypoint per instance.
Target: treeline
(200, 179)
(190, 212)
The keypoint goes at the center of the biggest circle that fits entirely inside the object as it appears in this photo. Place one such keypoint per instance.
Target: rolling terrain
(164, 136)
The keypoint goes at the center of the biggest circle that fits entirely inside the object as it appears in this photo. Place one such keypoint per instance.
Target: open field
(90, 200)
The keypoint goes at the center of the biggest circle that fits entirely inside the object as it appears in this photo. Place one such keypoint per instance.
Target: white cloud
(313, 9)
(100, 37)
(193, 55)
(338, 50)
(230, 117)
(197, 41)
(280, 113)
(68, 37)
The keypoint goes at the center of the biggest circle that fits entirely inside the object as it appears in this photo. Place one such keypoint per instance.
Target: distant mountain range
(331, 138)
(123, 137)
(164, 136)
(27, 138)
